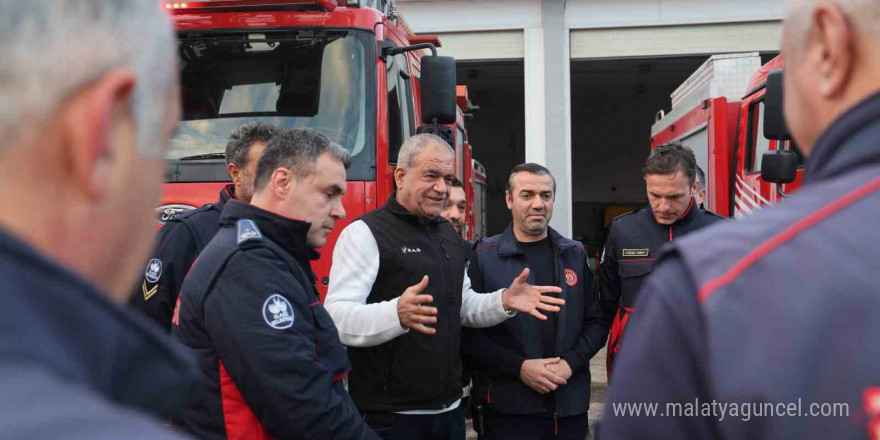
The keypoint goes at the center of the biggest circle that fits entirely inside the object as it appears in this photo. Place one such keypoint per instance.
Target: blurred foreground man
(782, 307)
(399, 295)
(269, 352)
(90, 98)
(184, 235)
(635, 238)
(533, 376)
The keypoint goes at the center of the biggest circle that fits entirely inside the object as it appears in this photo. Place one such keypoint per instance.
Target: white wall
(582, 14)
(429, 16)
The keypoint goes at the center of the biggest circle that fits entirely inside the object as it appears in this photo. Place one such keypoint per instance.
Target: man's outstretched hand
(523, 297)
(413, 312)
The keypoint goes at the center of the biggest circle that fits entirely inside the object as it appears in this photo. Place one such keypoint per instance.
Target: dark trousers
(535, 427)
(391, 426)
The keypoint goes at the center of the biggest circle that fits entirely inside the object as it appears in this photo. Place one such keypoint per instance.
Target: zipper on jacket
(445, 292)
(670, 232)
(558, 333)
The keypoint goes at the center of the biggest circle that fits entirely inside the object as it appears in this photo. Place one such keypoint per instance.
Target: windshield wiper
(208, 156)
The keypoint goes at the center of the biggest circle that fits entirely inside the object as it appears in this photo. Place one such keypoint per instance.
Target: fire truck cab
(351, 69)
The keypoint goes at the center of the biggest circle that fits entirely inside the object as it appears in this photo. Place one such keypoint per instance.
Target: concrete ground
(597, 393)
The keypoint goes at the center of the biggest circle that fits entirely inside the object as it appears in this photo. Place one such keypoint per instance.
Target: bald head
(832, 62)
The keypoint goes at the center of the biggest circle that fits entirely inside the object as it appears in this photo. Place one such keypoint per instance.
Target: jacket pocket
(632, 274)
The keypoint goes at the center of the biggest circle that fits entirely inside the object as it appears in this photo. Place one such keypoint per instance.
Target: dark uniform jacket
(780, 308)
(632, 246)
(178, 244)
(74, 365)
(414, 370)
(498, 352)
(269, 352)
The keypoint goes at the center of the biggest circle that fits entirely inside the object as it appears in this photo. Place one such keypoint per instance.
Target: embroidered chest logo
(407, 250)
(571, 278)
(277, 312)
(635, 252)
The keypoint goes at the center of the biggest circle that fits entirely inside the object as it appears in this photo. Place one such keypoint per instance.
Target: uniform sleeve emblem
(277, 312)
(571, 278)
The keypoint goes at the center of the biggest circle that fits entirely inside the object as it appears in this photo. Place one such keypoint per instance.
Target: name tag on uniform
(635, 252)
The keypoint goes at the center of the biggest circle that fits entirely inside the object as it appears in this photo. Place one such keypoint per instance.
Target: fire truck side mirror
(438, 90)
(774, 119)
(779, 166)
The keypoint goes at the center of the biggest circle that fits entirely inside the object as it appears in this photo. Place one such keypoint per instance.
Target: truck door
(751, 192)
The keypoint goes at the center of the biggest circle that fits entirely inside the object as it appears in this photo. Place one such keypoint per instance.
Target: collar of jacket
(850, 142)
(130, 361)
(226, 194)
(401, 212)
(510, 247)
(685, 217)
(288, 233)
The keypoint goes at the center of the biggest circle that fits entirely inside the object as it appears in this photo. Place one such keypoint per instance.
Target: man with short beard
(184, 236)
(456, 207)
(532, 376)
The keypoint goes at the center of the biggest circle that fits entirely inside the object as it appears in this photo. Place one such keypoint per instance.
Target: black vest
(414, 370)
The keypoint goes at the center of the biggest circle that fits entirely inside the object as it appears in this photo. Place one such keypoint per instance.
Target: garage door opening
(497, 129)
(613, 105)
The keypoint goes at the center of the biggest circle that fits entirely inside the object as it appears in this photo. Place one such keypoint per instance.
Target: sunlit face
(456, 208)
(530, 201)
(423, 189)
(244, 179)
(669, 195)
(317, 199)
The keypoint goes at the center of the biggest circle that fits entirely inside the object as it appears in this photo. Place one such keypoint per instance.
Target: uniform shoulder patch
(152, 274)
(154, 270)
(247, 230)
(277, 312)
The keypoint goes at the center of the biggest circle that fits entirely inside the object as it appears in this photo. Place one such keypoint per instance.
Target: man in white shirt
(402, 268)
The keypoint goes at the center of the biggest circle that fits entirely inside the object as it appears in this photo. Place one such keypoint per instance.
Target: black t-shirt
(543, 268)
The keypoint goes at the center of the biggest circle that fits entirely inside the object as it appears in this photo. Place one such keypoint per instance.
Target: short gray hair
(240, 140)
(296, 150)
(52, 48)
(409, 151)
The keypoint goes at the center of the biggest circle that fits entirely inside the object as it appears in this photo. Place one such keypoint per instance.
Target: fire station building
(576, 84)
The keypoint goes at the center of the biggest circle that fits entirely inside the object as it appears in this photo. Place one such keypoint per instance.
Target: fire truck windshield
(307, 78)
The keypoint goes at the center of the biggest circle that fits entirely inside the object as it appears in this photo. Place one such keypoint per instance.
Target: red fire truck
(730, 113)
(351, 69)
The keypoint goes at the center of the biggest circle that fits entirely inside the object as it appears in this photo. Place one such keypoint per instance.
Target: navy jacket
(178, 244)
(74, 365)
(779, 307)
(269, 352)
(498, 352)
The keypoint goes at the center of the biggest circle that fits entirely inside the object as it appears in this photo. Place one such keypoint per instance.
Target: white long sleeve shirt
(354, 270)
